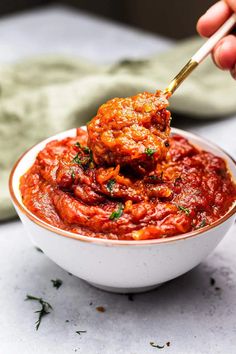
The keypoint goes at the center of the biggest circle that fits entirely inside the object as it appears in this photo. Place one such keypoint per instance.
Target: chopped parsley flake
(87, 150)
(117, 213)
(84, 161)
(79, 332)
(56, 283)
(182, 208)
(45, 307)
(203, 223)
(72, 173)
(77, 159)
(156, 178)
(110, 185)
(77, 144)
(150, 151)
(156, 345)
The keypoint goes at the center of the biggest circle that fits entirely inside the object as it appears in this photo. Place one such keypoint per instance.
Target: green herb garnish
(117, 213)
(79, 332)
(182, 208)
(87, 150)
(83, 161)
(157, 178)
(156, 345)
(203, 223)
(77, 144)
(80, 159)
(77, 159)
(72, 173)
(150, 151)
(110, 185)
(56, 283)
(45, 307)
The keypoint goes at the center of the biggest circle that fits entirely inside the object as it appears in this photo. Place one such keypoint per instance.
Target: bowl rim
(109, 242)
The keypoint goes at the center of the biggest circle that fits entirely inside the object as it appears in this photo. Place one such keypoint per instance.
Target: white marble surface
(193, 315)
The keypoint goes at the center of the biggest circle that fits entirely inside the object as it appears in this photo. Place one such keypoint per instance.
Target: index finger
(214, 18)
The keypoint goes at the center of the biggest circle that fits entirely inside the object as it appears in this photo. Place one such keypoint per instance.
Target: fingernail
(217, 55)
(233, 72)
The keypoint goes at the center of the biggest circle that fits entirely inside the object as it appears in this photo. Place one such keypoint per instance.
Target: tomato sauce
(131, 131)
(127, 179)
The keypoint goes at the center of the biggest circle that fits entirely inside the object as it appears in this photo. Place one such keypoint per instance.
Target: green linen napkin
(43, 96)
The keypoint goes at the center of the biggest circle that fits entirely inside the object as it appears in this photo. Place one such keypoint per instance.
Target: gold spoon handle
(201, 54)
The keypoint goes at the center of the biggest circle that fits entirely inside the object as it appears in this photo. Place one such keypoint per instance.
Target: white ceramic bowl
(121, 266)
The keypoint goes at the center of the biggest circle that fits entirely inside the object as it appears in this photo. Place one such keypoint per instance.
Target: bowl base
(118, 290)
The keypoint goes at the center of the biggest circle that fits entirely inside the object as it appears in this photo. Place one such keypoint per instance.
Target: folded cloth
(43, 96)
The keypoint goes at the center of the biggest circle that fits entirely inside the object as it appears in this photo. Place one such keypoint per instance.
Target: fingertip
(213, 19)
(225, 53)
(204, 26)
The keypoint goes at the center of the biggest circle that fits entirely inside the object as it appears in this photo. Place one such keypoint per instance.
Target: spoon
(201, 54)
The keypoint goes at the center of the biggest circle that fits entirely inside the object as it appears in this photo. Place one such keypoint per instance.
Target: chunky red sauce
(131, 132)
(128, 179)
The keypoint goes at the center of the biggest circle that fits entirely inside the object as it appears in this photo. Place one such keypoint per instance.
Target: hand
(224, 54)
